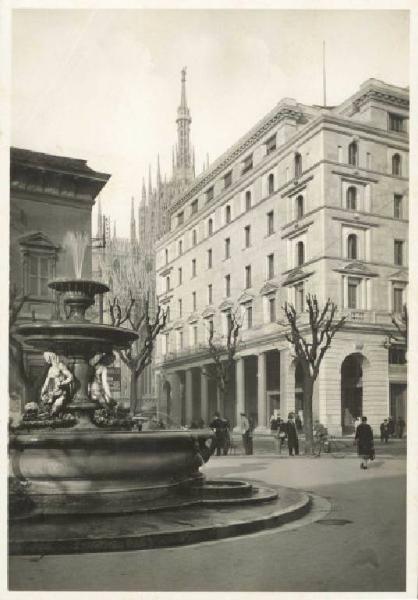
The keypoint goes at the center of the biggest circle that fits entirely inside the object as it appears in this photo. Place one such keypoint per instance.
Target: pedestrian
(298, 423)
(400, 426)
(391, 425)
(218, 426)
(384, 431)
(365, 445)
(246, 432)
(292, 436)
(320, 434)
(282, 434)
(227, 436)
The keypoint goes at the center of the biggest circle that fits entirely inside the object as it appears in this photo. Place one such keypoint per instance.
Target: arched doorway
(351, 391)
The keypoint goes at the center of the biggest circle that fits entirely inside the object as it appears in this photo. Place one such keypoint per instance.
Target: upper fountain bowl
(78, 295)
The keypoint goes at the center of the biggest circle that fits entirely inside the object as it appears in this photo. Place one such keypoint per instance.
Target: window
(396, 164)
(270, 223)
(210, 294)
(396, 122)
(228, 179)
(227, 214)
(353, 154)
(398, 252)
(298, 165)
(167, 284)
(210, 326)
(249, 315)
(180, 340)
(352, 198)
(210, 258)
(180, 218)
(299, 207)
(210, 227)
(270, 266)
(180, 275)
(271, 144)
(352, 246)
(271, 184)
(180, 247)
(166, 256)
(248, 276)
(247, 236)
(193, 267)
(227, 248)
(300, 254)
(194, 301)
(168, 313)
(195, 336)
(353, 285)
(397, 206)
(180, 306)
(38, 275)
(194, 206)
(228, 322)
(194, 237)
(247, 200)
(397, 355)
(299, 297)
(397, 300)
(227, 285)
(272, 310)
(247, 164)
(210, 194)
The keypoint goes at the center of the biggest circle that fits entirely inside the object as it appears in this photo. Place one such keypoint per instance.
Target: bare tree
(139, 355)
(222, 351)
(310, 349)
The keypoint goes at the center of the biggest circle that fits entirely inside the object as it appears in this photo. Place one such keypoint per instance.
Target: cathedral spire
(114, 230)
(149, 184)
(158, 173)
(133, 227)
(144, 193)
(183, 166)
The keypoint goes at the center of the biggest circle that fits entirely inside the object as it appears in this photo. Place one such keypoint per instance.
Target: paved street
(365, 552)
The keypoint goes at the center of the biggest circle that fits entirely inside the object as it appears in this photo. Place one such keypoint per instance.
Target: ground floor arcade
(358, 376)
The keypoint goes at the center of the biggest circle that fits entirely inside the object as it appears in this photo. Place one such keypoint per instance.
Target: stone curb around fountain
(182, 526)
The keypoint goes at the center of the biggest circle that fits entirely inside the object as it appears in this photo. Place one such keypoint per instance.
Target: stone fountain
(86, 468)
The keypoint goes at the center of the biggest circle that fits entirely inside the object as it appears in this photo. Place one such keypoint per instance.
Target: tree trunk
(307, 413)
(133, 397)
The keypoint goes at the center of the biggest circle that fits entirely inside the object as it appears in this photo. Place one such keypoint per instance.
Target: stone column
(240, 390)
(287, 384)
(204, 396)
(261, 393)
(189, 396)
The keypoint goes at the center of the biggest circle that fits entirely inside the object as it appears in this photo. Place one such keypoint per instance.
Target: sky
(104, 85)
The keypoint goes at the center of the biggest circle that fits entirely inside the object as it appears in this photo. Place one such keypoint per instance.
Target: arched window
(300, 209)
(298, 165)
(180, 247)
(300, 253)
(210, 227)
(194, 237)
(271, 184)
(227, 213)
(353, 154)
(352, 246)
(396, 164)
(352, 198)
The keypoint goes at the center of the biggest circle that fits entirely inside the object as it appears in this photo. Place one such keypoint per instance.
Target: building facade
(49, 197)
(311, 200)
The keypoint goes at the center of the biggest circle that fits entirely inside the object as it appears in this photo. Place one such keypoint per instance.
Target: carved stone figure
(56, 391)
(99, 387)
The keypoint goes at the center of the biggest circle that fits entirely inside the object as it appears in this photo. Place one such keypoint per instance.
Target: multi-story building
(311, 200)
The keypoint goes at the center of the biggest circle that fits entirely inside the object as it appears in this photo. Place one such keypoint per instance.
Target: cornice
(381, 96)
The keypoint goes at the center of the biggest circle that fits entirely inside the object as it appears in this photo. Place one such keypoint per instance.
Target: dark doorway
(351, 392)
(398, 401)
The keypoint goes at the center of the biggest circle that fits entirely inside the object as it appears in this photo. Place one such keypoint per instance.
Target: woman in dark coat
(365, 444)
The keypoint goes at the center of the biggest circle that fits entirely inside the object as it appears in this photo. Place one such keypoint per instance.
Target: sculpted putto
(99, 387)
(55, 390)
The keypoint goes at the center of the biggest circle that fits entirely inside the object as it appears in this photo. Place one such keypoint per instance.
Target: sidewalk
(265, 444)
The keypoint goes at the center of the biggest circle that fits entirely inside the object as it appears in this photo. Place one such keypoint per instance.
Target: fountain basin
(106, 472)
(71, 338)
